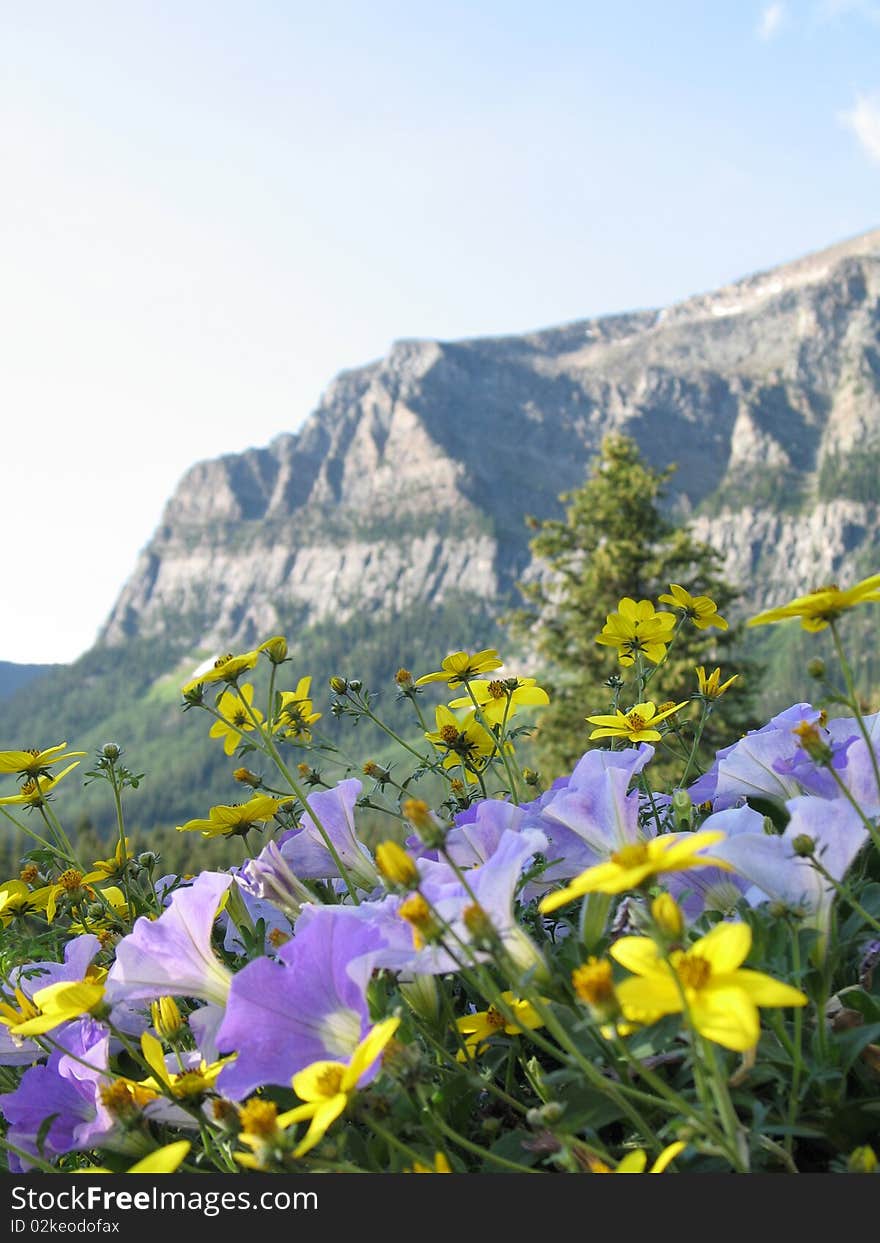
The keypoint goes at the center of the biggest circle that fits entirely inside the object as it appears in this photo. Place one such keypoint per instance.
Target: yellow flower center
(70, 880)
(632, 855)
(403, 677)
(593, 982)
(330, 1080)
(635, 721)
(122, 1098)
(450, 735)
(31, 790)
(259, 1118)
(693, 970)
(29, 873)
(277, 938)
(34, 751)
(223, 660)
(496, 690)
(495, 1018)
(190, 1083)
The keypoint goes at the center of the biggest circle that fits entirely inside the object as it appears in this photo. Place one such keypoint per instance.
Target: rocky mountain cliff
(410, 480)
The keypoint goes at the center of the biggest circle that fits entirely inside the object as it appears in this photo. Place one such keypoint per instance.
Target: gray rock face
(411, 479)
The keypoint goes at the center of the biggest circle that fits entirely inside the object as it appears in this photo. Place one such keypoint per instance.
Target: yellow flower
(103, 869)
(479, 1028)
(722, 1000)
(296, 713)
(701, 610)
(593, 983)
(180, 1084)
(258, 1120)
(441, 1166)
(466, 742)
(636, 1161)
(235, 706)
(709, 686)
(327, 1087)
(633, 864)
(461, 667)
(229, 820)
(71, 883)
(823, 605)
(163, 1161)
(16, 900)
(500, 699)
(226, 668)
(637, 628)
(50, 1006)
(637, 725)
(35, 763)
(35, 790)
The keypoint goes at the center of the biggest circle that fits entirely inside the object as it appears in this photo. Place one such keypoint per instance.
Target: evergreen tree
(615, 541)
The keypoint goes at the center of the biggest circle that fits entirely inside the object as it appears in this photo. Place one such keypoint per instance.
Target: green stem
(854, 700)
(499, 742)
(491, 1157)
(797, 1059)
(54, 848)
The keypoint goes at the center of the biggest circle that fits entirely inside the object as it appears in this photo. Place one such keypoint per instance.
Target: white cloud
(864, 121)
(770, 21)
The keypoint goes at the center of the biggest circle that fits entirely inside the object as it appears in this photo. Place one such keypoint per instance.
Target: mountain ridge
(410, 478)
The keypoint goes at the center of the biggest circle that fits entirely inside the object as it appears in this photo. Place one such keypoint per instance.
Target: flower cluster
(603, 976)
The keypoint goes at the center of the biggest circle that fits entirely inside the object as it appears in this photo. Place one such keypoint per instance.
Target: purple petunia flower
(311, 1004)
(172, 955)
(68, 1087)
(749, 766)
(305, 851)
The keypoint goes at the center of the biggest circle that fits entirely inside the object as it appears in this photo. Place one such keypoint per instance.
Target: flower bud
(167, 1019)
(396, 866)
(147, 859)
(422, 996)
(862, 1161)
(247, 778)
(110, 751)
(667, 916)
(338, 685)
(356, 685)
(275, 648)
(420, 816)
(813, 743)
(682, 809)
(530, 777)
(804, 846)
(816, 668)
(404, 679)
(479, 925)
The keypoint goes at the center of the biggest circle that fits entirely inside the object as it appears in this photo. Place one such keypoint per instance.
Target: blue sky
(210, 208)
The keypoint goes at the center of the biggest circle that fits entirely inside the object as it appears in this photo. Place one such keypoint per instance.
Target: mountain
(411, 478)
(13, 677)
(404, 494)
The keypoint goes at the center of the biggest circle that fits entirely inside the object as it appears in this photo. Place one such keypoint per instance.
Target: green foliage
(616, 541)
(130, 694)
(853, 476)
